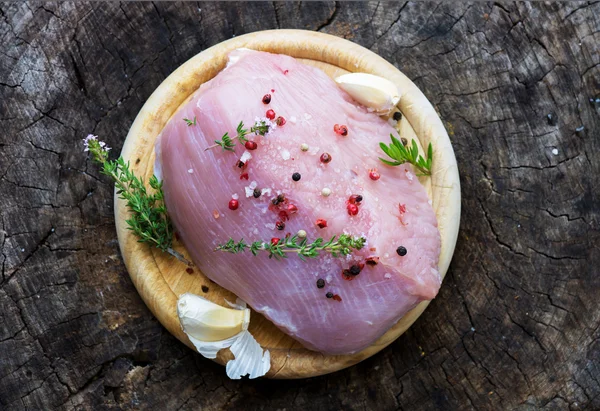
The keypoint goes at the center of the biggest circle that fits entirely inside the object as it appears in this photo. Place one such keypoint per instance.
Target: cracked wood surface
(516, 324)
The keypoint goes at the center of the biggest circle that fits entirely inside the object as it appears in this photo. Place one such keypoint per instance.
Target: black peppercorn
(280, 225)
(359, 198)
(256, 193)
(552, 119)
(240, 164)
(320, 283)
(401, 251)
(397, 116)
(404, 141)
(279, 199)
(355, 269)
(296, 176)
(329, 295)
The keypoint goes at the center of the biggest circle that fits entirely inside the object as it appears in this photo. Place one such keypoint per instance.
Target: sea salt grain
(285, 154)
(190, 171)
(387, 276)
(555, 151)
(245, 156)
(250, 189)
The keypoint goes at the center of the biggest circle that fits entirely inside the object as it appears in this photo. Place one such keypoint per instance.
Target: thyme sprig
(190, 122)
(409, 154)
(337, 246)
(261, 127)
(149, 219)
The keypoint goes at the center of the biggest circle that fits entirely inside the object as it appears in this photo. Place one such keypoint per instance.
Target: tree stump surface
(516, 324)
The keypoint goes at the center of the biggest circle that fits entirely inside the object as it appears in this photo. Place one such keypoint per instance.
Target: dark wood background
(516, 324)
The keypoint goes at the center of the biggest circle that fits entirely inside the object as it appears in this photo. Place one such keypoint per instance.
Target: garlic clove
(376, 93)
(207, 321)
(211, 328)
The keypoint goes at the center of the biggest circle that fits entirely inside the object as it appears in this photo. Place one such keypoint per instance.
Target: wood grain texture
(516, 324)
(161, 279)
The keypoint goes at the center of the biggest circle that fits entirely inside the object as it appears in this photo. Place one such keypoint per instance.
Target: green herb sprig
(409, 154)
(190, 122)
(337, 246)
(227, 144)
(149, 219)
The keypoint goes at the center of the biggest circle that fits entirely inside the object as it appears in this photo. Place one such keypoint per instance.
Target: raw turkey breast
(394, 212)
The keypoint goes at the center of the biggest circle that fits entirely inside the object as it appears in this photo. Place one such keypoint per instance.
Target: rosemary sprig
(409, 154)
(149, 218)
(337, 246)
(226, 143)
(190, 122)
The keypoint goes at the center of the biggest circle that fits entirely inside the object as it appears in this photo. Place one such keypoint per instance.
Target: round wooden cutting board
(160, 279)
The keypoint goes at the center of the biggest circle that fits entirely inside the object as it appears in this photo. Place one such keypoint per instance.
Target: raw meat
(199, 184)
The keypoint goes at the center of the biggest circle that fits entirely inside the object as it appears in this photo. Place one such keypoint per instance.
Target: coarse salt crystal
(265, 191)
(285, 154)
(245, 156)
(409, 175)
(387, 276)
(430, 202)
(328, 279)
(235, 196)
(270, 226)
(307, 116)
(250, 188)
(293, 119)
(190, 171)
(555, 151)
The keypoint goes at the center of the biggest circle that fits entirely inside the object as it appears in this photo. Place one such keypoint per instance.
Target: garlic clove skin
(376, 93)
(207, 321)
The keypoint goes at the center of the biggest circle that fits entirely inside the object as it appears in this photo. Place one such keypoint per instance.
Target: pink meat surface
(199, 184)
